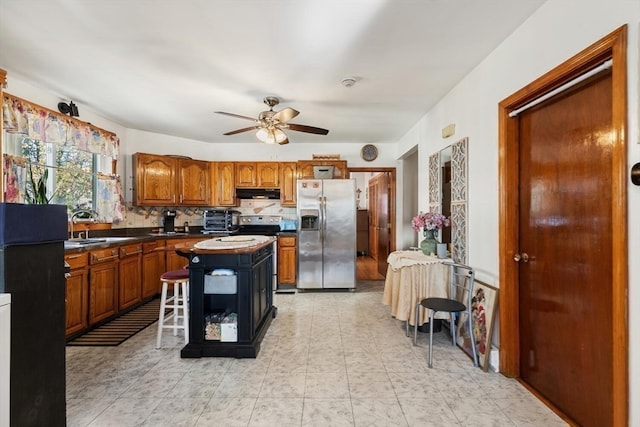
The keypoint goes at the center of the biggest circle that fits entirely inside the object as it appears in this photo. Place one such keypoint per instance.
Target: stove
(262, 225)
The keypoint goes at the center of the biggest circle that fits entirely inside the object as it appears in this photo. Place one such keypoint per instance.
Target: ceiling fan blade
(285, 114)
(233, 132)
(285, 141)
(308, 129)
(237, 115)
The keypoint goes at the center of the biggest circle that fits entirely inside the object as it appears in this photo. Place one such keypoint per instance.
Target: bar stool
(179, 279)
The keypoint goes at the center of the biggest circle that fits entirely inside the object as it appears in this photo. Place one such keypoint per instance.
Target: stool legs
(177, 302)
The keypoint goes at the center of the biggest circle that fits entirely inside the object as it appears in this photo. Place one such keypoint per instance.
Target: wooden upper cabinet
(193, 182)
(288, 183)
(155, 177)
(256, 174)
(267, 174)
(168, 181)
(223, 183)
(246, 175)
(305, 168)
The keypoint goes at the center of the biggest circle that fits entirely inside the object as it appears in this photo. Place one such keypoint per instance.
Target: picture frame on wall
(483, 308)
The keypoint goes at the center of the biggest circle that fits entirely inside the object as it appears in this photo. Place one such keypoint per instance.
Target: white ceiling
(165, 66)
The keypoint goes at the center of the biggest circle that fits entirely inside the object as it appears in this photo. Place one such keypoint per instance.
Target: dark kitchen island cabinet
(252, 302)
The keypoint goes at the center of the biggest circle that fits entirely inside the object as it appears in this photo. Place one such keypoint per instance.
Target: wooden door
(599, 353)
(379, 236)
(373, 220)
(193, 183)
(565, 231)
(155, 183)
(223, 184)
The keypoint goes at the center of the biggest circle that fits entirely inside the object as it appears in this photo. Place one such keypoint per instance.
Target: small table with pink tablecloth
(412, 276)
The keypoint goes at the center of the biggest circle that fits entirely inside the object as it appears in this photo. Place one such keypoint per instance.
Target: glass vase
(429, 244)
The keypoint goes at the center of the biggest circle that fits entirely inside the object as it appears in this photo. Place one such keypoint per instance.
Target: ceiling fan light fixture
(271, 136)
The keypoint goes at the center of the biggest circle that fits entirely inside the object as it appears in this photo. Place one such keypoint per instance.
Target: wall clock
(369, 152)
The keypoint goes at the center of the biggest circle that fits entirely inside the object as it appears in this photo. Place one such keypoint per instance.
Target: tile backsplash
(145, 216)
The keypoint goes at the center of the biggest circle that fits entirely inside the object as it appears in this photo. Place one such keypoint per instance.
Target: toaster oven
(221, 220)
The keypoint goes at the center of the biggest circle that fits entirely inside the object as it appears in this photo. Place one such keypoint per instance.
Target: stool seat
(183, 273)
(177, 301)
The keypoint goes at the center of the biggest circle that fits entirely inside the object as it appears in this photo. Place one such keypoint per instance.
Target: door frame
(392, 199)
(612, 46)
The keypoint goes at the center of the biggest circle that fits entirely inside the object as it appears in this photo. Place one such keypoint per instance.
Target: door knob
(524, 257)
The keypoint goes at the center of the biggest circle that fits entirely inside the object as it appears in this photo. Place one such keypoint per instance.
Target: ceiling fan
(270, 124)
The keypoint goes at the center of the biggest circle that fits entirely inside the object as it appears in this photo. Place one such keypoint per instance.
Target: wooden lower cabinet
(77, 294)
(103, 284)
(287, 260)
(175, 261)
(130, 276)
(153, 263)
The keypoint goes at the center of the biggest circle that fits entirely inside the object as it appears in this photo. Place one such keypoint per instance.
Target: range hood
(258, 193)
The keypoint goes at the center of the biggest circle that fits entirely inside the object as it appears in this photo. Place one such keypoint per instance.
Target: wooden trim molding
(392, 199)
(612, 46)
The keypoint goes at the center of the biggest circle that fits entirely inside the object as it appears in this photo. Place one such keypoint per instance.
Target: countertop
(247, 247)
(114, 241)
(125, 239)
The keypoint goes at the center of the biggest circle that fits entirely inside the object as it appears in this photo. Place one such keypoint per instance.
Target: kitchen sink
(116, 239)
(82, 242)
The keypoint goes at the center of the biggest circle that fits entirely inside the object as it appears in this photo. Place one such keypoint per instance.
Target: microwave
(221, 220)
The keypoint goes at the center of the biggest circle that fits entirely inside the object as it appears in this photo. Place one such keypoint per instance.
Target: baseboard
(494, 359)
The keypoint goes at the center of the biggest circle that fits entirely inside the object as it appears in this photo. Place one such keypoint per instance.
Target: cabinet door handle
(96, 258)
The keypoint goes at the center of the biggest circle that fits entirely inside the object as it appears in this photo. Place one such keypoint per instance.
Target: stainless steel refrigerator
(326, 233)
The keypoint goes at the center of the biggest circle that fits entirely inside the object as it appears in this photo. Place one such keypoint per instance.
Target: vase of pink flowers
(430, 223)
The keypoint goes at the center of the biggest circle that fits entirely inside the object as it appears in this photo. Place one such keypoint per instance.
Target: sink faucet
(93, 216)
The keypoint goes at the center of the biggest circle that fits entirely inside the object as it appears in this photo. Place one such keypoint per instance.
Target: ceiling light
(348, 81)
(271, 135)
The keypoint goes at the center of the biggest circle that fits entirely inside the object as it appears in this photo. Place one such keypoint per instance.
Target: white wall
(557, 31)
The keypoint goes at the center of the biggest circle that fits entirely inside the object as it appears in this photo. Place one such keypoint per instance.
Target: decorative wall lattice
(458, 196)
(434, 183)
(459, 232)
(459, 201)
(459, 171)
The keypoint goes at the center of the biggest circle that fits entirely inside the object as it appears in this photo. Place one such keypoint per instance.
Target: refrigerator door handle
(323, 221)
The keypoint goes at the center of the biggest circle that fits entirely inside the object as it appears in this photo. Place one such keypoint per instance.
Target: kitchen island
(243, 293)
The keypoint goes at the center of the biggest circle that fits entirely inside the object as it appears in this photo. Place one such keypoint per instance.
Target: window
(72, 174)
(79, 159)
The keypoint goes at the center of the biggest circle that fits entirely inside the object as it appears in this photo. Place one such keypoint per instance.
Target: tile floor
(329, 359)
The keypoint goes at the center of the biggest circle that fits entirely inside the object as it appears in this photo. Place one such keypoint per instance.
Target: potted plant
(36, 189)
(430, 222)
